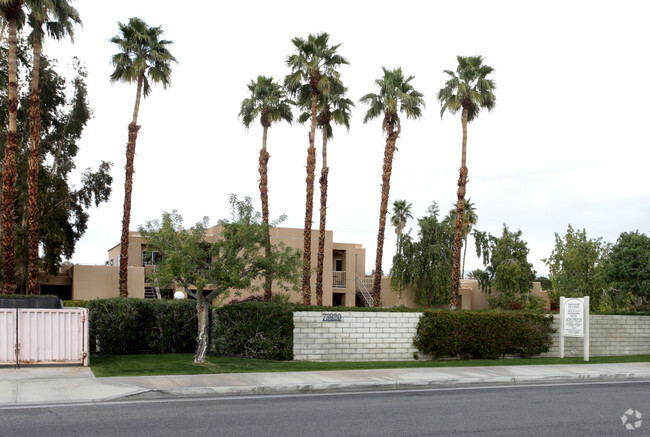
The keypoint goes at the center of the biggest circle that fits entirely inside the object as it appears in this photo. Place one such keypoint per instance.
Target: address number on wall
(332, 317)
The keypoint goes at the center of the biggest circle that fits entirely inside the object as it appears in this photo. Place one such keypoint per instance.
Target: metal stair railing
(362, 291)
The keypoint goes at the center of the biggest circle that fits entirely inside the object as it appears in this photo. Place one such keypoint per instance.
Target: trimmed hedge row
(120, 326)
(254, 330)
(483, 335)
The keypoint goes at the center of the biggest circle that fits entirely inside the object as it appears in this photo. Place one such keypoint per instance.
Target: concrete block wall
(358, 336)
(608, 335)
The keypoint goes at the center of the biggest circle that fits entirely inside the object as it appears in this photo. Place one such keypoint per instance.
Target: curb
(223, 391)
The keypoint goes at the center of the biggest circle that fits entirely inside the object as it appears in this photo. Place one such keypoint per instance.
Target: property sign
(574, 322)
(574, 318)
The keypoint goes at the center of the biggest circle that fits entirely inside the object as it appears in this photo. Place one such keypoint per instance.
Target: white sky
(566, 143)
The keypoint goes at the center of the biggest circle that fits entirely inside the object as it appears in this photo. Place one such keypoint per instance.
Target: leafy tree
(425, 264)
(63, 207)
(206, 270)
(143, 57)
(627, 265)
(268, 101)
(58, 17)
(468, 89)
(331, 107)
(313, 72)
(396, 94)
(12, 11)
(575, 267)
(507, 268)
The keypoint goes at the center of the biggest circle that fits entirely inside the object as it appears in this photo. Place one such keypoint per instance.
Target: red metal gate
(44, 336)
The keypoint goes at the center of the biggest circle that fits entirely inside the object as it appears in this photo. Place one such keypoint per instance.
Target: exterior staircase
(364, 291)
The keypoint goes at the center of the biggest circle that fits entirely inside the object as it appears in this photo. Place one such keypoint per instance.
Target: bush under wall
(254, 330)
(120, 326)
(484, 334)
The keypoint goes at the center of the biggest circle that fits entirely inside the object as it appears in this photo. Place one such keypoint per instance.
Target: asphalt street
(582, 409)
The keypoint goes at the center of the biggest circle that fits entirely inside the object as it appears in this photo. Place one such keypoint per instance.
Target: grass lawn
(181, 364)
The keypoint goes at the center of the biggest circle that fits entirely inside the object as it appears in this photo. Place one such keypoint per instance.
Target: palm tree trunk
(460, 206)
(264, 194)
(389, 152)
(323, 215)
(32, 172)
(462, 271)
(128, 188)
(9, 163)
(309, 206)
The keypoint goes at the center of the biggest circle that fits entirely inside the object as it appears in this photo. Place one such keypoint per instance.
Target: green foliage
(232, 262)
(396, 94)
(267, 100)
(254, 330)
(75, 303)
(507, 268)
(29, 296)
(483, 335)
(426, 264)
(143, 55)
(468, 88)
(121, 326)
(314, 66)
(627, 265)
(575, 267)
(63, 205)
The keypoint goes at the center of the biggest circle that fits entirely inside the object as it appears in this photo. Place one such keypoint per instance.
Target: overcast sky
(567, 142)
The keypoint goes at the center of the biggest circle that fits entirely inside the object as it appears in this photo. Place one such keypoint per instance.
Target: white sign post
(574, 321)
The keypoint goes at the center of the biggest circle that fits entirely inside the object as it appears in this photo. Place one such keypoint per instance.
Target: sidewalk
(63, 384)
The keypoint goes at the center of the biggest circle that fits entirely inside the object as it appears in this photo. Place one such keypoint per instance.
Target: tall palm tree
(332, 107)
(268, 101)
(469, 221)
(401, 214)
(468, 89)
(59, 18)
(313, 72)
(396, 94)
(143, 57)
(11, 11)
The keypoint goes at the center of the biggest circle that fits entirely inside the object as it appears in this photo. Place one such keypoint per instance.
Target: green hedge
(483, 335)
(254, 330)
(120, 326)
(75, 303)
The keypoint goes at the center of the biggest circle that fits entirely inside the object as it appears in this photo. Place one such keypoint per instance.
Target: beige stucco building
(345, 282)
(343, 264)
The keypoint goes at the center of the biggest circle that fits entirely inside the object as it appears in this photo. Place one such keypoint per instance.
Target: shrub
(75, 303)
(483, 334)
(254, 330)
(139, 326)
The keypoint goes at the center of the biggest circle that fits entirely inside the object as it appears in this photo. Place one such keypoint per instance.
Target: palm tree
(396, 94)
(11, 11)
(143, 57)
(59, 18)
(468, 89)
(332, 107)
(401, 213)
(267, 100)
(313, 72)
(469, 221)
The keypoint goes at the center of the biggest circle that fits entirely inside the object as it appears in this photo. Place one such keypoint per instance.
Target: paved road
(548, 410)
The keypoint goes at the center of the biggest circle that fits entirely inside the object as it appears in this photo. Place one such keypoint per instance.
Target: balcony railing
(338, 280)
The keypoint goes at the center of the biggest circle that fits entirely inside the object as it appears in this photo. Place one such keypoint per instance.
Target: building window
(151, 257)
